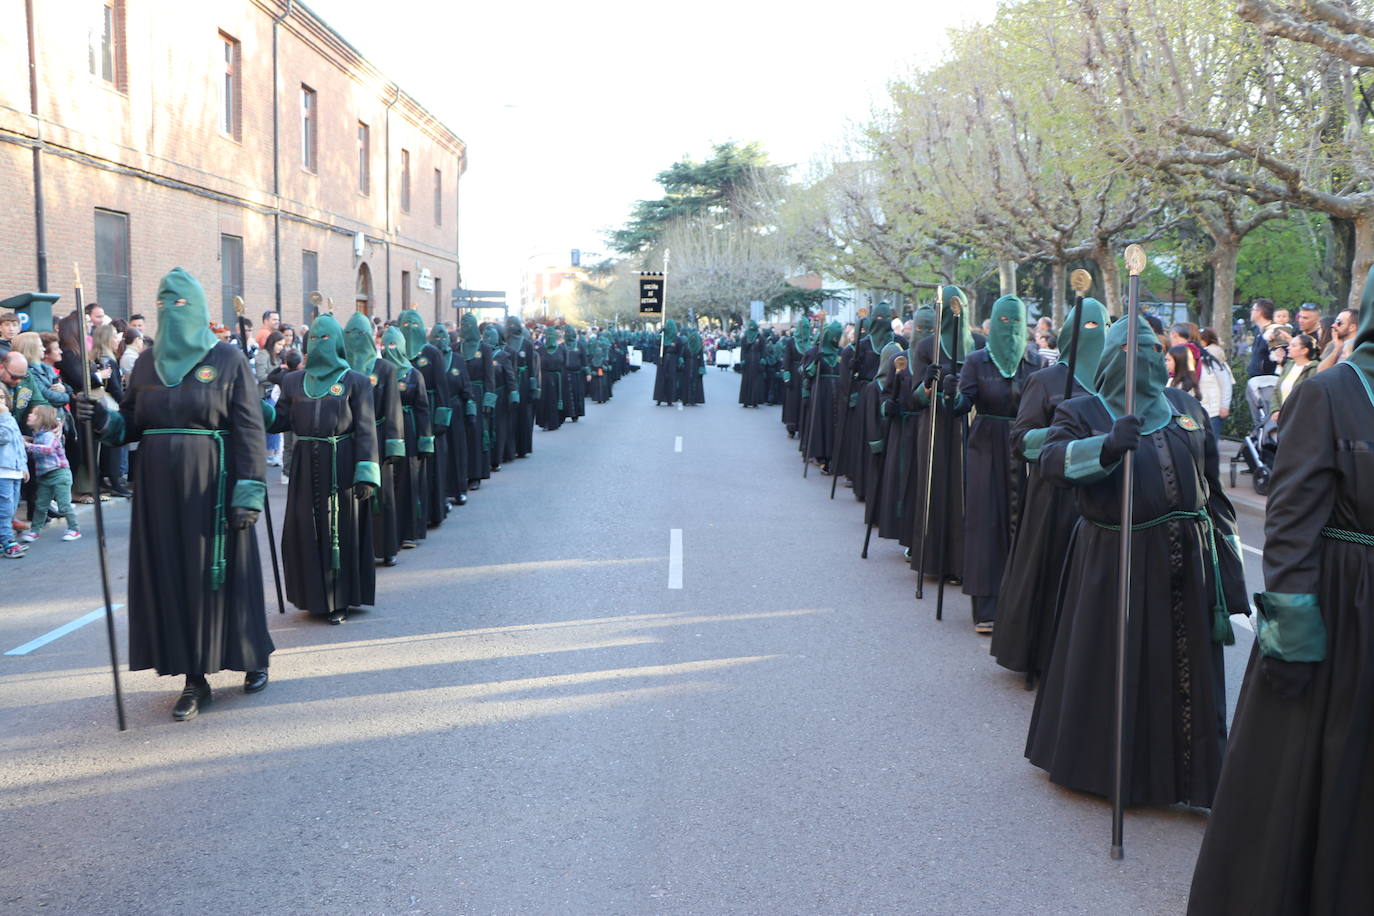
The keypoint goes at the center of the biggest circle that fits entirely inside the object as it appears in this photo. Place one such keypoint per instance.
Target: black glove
(1124, 437)
(241, 519)
(363, 490)
(88, 408)
(1288, 679)
(929, 375)
(950, 385)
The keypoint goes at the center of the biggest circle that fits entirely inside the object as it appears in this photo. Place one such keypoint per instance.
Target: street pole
(1135, 264)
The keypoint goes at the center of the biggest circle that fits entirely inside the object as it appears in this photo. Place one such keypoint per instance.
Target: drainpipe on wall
(39, 214)
(387, 165)
(276, 158)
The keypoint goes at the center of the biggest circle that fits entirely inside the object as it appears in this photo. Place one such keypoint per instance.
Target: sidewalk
(1243, 495)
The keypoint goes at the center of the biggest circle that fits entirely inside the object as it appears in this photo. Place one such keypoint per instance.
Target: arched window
(363, 297)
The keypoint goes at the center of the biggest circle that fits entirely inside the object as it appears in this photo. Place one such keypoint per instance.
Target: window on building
(405, 181)
(310, 280)
(106, 43)
(309, 129)
(438, 198)
(230, 277)
(230, 104)
(405, 290)
(112, 262)
(364, 158)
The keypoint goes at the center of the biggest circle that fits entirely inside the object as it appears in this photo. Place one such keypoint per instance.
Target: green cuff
(443, 416)
(921, 395)
(1083, 460)
(114, 430)
(876, 447)
(426, 445)
(515, 397)
(471, 408)
(1033, 442)
(395, 448)
(1290, 627)
(367, 472)
(269, 413)
(536, 394)
(786, 376)
(489, 399)
(248, 494)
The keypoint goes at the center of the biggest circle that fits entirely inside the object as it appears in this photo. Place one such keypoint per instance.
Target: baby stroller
(1259, 446)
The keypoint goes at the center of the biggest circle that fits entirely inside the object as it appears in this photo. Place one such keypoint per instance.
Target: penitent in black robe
(179, 622)
(858, 367)
(326, 541)
(1292, 826)
(992, 501)
(900, 490)
(753, 386)
(553, 387)
(575, 364)
(390, 421)
(947, 477)
(1175, 688)
(525, 362)
(791, 400)
(873, 431)
(1030, 582)
(456, 440)
(666, 375)
(434, 472)
(818, 441)
(691, 381)
(481, 434)
(503, 415)
(411, 497)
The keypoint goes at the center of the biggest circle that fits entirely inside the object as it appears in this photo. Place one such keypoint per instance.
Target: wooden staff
(930, 441)
(1081, 281)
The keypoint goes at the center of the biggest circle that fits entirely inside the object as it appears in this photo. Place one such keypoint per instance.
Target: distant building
(160, 142)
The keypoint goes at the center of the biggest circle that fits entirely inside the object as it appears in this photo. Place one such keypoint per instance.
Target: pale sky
(569, 110)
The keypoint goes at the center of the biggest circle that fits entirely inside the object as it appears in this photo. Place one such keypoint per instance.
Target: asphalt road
(533, 721)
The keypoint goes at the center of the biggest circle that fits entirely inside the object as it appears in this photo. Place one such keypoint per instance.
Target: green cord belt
(333, 442)
(1350, 537)
(217, 562)
(1221, 620)
(993, 416)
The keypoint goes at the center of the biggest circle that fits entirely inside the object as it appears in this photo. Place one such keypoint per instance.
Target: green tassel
(1222, 631)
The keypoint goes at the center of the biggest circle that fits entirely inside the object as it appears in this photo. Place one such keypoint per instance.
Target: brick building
(161, 142)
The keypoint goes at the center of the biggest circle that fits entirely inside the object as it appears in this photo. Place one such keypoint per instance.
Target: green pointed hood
(751, 334)
(569, 334)
(1362, 357)
(1091, 342)
(413, 329)
(491, 335)
(885, 358)
(803, 335)
(694, 340)
(880, 326)
(1007, 335)
(359, 349)
(394, 349)
(183, 331)
(325, 363)
(830, 342)
(1151, 376)
(469, 335)
(952, 325)
(669, 330)
(922, 323)
(515, 332)
(438, 336)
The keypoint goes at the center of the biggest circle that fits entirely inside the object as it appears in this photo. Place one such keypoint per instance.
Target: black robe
(1026, 604)
(320, 509)
(666, 376)
(390, 420)
(525, 361)
(791, 401)
(1175, 689)
(1292, 825)
(178, 622)
(432, 366)
(575, 365)
(992, 501)
(772, 369)
(858, 367)
(553, 387)
(819, 437)
(481, 433)
(502, 420)
(753, 386)
(691, 381)
(874, 427)
(947, 478)
(412, 511)
(462, 411)
(599, 385)
(900, 489)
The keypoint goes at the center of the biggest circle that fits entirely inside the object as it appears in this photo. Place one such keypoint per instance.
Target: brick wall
(157, 152)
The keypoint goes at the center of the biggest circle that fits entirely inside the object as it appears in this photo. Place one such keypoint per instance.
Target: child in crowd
(14, 470)
(54, 473)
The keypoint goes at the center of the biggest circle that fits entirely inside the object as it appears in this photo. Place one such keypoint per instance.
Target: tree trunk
(1057, 294)
(1225, 254)
(949, 263)
(1006, 276)
(1362, 259)
(1111, 279)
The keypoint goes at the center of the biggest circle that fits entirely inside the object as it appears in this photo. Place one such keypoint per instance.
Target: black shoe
(253, 681)
(391, 560)
(405, 545)
(193, 696)
(462, 500)
(338, 617)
